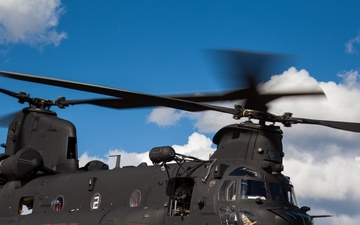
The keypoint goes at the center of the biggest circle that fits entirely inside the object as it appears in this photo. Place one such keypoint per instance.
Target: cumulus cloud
(205, 122)
(198, 145)
(337, 105)
(335, 178)
(32, 22)
(127, 158)
(291, 80)
(350, 78)
(350, 45)
(342, 219)
(323, 163)
(164, 116)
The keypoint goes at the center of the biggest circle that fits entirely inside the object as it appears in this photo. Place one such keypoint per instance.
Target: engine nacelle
(25, 162)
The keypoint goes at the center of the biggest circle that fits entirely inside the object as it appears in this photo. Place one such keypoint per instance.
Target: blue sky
(157, 47)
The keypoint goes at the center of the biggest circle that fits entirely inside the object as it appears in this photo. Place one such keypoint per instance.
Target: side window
(135, 198)
(227, 191)
(253, 189)
(72, 148)
(26, 205)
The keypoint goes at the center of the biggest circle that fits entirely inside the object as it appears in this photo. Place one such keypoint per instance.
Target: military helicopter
(241, 183)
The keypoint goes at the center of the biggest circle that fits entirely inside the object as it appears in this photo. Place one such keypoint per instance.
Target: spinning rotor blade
(253, 68)
(118, 103)
(6, 119)
(243, 67)
(135, 99)
(240, 65)
(139, 98)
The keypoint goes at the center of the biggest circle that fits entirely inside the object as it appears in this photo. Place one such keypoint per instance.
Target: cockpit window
(227, 191)
(284, 193)
(244, 172)
(253, 189)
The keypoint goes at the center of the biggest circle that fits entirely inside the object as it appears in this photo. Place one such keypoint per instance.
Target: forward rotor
(246, 64)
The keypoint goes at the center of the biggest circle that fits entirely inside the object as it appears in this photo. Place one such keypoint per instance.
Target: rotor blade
(118, 103)
(240, 65)
(247, 68)
(115, 103)
(19, 96)
(136, 99)
(243, 68)
(266, 98)
(6, 119)
(245, 93)
(10, 93)
(133, 96)
(348, 126)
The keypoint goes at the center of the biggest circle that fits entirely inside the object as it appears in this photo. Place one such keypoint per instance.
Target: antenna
(118, 158)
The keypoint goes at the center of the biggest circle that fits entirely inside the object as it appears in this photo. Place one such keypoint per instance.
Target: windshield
(250, 188)
(291, 196)
(283, 193)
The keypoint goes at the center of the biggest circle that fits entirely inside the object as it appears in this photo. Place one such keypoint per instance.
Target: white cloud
(336, 219)
(210, 121)
(164, 116)
(322, 162)
(337, 105)
(32, 22)
(333, 178)
(343, 219)
(198, 146)
(350, 78)
(291, 80)
(206, 122)
(349, 46)
(127, 158)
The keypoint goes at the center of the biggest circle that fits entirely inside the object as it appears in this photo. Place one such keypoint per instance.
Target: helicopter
(240, 184)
